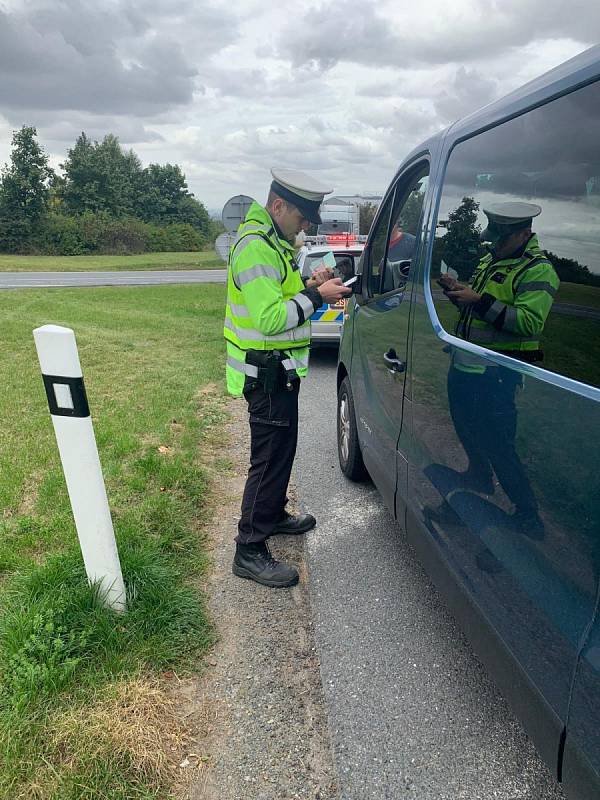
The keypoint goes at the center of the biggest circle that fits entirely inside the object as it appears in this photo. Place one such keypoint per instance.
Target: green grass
(153, 361)
(579, 295)
(206, 259)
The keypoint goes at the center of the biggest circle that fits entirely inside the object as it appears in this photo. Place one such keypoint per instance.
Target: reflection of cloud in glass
(538, 152)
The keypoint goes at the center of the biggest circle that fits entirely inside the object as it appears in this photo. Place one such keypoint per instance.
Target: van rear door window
(541, 301)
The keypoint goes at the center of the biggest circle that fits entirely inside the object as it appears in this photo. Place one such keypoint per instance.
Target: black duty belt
(272, 376)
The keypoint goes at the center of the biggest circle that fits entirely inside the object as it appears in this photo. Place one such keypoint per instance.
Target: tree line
(102, 201)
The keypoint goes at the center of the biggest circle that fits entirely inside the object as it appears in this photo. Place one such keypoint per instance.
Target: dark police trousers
(485, 417)
(273, 437)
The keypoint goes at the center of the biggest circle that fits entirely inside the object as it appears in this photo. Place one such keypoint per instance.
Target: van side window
(539, 303)
(378, 247)
(402, 240)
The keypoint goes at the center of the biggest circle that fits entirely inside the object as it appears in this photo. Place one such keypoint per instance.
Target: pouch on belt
(271, 374)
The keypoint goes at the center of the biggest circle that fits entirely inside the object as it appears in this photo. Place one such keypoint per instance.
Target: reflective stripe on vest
(482, 331)
(300, 334)
(294, 362)
(246, 369)
(258, 271)
(238, 310)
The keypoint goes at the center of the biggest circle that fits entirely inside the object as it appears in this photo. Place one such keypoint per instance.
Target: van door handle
(392, 362)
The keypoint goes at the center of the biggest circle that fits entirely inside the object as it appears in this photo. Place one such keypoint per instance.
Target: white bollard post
(63, 380)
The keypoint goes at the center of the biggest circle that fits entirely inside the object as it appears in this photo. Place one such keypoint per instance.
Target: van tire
(349, 455)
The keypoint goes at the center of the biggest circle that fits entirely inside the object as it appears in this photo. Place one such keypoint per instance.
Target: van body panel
(381, 326)
(536, 716)
(527, 596)
(537, 595)
(582, 746)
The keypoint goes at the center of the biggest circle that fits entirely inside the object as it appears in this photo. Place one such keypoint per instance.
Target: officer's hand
(448, 283)
(321, 275)
(333, 290)
(464, 296)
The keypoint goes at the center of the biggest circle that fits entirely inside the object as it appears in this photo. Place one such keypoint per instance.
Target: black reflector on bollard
(66, 396)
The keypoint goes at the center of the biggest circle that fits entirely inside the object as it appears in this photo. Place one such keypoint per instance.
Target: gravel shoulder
(258, 709)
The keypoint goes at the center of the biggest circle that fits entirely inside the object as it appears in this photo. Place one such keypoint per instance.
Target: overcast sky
(228, 89)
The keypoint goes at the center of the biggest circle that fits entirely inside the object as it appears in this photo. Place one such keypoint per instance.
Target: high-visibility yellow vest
(517, 295)
(264, 290)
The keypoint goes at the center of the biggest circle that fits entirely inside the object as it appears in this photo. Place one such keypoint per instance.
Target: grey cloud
(468, 91)
(317, 123)
(256, 85)
(345, 30)
(87, 29)
(64, 132)
(349, 31)
(412, 122)
(266, 50)
(305, 146)
(234, 81)
(378, 90)
(68, 57)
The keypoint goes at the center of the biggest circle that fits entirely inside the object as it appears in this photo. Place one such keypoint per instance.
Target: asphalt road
(41, 280)
(412, 713)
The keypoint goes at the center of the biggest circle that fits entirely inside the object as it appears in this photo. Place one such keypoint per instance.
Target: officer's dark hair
(523, 226)
(274, 196)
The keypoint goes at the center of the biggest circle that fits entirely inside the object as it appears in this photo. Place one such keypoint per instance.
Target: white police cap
(301, 190)
(511, 213)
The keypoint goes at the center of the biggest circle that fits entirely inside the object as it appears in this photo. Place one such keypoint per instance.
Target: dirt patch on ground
(257, 714)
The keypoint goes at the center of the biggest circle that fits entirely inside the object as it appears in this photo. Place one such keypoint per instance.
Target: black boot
(294, 525)
(254, 561)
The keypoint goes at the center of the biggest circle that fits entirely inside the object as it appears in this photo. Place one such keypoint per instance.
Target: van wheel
(349, 454)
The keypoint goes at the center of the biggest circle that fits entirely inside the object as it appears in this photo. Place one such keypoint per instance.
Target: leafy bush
(99, 233)
(174, 238)
(15, 235)
(59, 235)
(123, 236)
(45, 655)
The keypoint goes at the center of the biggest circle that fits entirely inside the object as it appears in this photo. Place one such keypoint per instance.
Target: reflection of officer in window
(345, 268)
(401, 246)
(504, 309)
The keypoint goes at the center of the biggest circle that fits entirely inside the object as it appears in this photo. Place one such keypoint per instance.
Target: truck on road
(339, 216)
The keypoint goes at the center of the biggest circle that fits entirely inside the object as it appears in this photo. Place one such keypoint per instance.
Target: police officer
(267, 329)
(401, 246)
(504, 309)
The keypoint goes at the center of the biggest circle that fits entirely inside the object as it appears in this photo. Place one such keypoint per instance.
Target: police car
(327, 321)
